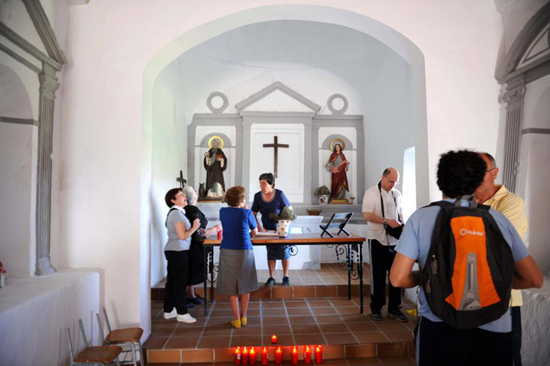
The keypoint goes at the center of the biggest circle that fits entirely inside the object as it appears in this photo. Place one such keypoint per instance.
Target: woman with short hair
(176, 252)
(270, 200)
(237, 269)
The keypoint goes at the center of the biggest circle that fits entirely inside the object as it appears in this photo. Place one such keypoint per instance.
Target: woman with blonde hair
(237, 269)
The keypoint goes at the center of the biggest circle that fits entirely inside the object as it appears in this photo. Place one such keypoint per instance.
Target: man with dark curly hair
(459, 173)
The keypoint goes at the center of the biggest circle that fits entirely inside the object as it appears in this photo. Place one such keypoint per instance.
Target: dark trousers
(516, 334)
(440, 344)
(175, 291)
(381, 259)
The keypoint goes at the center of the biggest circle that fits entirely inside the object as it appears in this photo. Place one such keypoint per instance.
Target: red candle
(237, 356)
(307, 355)
(273, 339)
(220, 235)
(245, 356)
(279, 356)
(264, 356)
(294, 356)
(318, 354)
(252, 356)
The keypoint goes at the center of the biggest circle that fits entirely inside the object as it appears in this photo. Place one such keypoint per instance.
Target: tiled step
(333, 322)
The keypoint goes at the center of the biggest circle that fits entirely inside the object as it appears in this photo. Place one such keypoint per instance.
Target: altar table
(352, 242)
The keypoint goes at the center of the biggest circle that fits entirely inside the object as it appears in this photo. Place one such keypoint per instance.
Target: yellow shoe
(243, 321)
(236, 323)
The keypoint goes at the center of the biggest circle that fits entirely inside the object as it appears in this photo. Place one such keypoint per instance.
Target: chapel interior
(104, 106)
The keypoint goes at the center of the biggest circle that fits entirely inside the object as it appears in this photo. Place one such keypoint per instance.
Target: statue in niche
(338, 167)
(215, 163)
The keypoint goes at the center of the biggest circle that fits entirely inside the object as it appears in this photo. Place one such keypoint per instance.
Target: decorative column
(514, 97)
(239, 154)
(48, 86)
(246, 136)
(314, 162)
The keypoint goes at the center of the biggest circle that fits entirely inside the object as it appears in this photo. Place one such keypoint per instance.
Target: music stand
(338, 220)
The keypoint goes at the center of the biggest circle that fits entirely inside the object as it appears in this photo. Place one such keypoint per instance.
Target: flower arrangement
(286, 214)
(322, 191)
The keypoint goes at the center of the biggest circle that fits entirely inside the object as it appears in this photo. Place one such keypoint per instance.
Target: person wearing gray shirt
(176, 252)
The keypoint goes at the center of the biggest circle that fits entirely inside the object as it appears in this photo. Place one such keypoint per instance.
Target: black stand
(338, 220)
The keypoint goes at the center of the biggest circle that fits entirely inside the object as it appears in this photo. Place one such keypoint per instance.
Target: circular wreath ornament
(213, 138)
(334, 110)
(217, 95)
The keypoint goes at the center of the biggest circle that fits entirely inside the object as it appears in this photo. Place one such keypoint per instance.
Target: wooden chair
(128, 336)
(104, 355)
(338, 220)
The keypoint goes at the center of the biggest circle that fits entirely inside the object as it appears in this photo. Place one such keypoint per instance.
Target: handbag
(391, 231)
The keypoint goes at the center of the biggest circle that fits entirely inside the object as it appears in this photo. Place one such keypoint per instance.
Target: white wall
(109, 87)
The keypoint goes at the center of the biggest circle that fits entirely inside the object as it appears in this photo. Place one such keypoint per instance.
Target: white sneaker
(171, 315)
(186, 318)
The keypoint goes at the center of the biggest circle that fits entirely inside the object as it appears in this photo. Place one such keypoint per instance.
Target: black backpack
(467, 278)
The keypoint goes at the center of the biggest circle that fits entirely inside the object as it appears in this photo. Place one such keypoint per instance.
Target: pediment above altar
(277, 97)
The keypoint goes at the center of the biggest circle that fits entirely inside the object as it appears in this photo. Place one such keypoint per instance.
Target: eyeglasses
(488, 170)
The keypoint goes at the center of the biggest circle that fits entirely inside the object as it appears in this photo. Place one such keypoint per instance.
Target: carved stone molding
(48, 86)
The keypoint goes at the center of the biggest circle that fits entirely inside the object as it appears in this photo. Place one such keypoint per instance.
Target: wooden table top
(300, 239)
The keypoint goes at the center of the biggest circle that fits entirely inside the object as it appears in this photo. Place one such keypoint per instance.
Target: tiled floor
(349, 338)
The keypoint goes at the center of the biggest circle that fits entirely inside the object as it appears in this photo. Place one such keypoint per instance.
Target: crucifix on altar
(275, 145)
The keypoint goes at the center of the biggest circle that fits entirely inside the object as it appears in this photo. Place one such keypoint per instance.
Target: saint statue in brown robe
(215, 163)
(338, 166)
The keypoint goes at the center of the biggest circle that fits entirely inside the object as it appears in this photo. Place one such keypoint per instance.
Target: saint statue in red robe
(338, 166)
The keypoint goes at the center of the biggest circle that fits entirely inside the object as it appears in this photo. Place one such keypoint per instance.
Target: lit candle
(279, 356)
(273, 339)
(307, 355)
(294, 356)
(237, 356)
(245, 356)
(252, 356)
(318, 354)
(264, 356)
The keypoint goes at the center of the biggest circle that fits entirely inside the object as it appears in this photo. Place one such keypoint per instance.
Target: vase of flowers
(323, 193)
(284, 219)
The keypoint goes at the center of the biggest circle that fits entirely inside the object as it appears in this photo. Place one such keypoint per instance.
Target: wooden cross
(276, 146)
(181, 180)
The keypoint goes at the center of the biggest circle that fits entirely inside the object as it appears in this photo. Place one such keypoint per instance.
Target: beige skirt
(236, 272)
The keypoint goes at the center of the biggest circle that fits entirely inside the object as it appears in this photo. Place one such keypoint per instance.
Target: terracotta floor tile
(328, 319)
(325, 291)
(155, 342)
(221, 313)
(182, 342)
(304, 291)
(276, 329)
(362, 326)
(363, 361)
(361, 351)
(164, 356)
(392, 349)
(249, 330)
(164, 329)
(205, 355)
(273, 305)
(218, 321)
(371, 337)
(302, 319)
(298, 311)
(213, 342)
(390, 325)
(270, 320)
(272, 311)
(253, 320)
(319, 303)
(282, 340)
(295, 303)
(309, 339)
(241, 341)
(305, 328)
(217, 330)
(334, 328)
(340, 338)
(323, 311)
(399, 336)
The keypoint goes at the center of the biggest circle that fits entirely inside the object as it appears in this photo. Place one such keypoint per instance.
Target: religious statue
(338, 166)
(215, 163)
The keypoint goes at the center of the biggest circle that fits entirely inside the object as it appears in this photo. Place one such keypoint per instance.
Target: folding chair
(104, 355)
(129, 336)
(338, 220)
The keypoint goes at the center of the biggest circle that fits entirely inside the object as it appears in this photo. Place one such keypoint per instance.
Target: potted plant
(323, 193)
(284, 218)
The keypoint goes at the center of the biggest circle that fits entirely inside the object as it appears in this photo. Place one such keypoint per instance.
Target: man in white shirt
(382, 245)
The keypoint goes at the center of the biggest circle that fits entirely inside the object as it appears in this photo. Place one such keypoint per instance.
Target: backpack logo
(464, 232)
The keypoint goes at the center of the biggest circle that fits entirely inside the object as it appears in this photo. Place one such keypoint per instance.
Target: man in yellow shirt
(513, 208)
